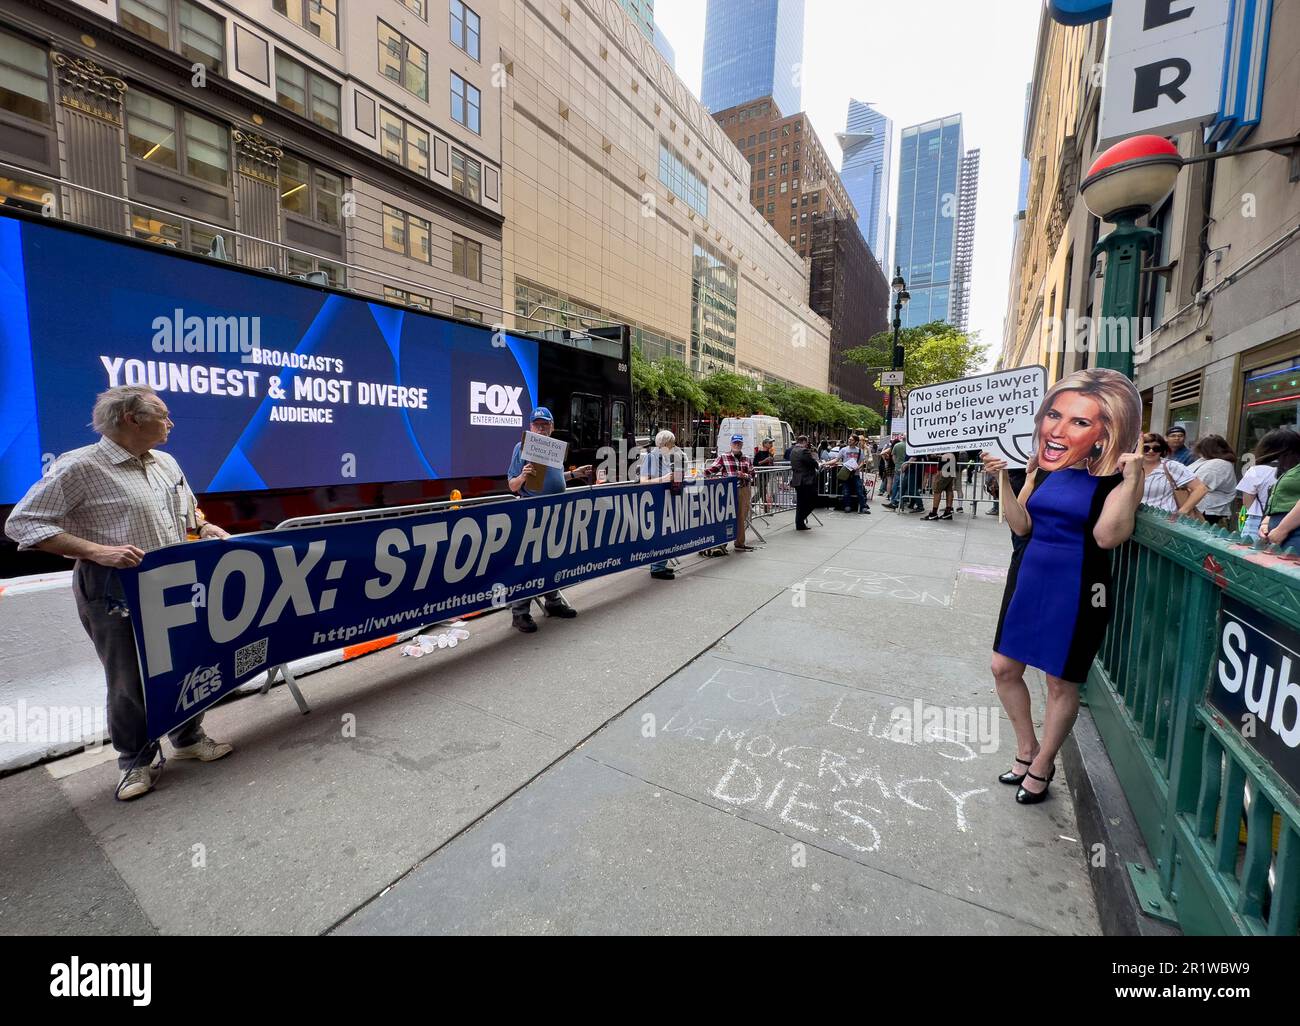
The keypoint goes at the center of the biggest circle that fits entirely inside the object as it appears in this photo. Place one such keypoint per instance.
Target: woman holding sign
(1082, 489)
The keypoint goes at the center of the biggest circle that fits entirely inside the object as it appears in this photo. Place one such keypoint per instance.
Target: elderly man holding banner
(105, 506)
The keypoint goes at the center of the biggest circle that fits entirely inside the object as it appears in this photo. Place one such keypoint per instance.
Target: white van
(755, 429)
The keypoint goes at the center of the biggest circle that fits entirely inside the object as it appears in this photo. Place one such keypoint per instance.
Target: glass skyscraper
(868, 144)
(753, 48)
(930, 205)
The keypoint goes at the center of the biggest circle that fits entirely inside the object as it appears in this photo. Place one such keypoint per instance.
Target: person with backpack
(1257, 482)
(1282, 511)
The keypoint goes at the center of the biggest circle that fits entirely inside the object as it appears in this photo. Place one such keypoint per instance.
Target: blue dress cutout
(1053, 615)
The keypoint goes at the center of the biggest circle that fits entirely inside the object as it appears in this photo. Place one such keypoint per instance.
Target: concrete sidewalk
(729, 752)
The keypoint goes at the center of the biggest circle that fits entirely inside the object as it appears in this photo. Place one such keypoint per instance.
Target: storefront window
(1270, 400)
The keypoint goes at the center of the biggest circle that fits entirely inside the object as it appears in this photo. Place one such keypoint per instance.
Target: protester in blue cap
(555, 482)
(736, 464)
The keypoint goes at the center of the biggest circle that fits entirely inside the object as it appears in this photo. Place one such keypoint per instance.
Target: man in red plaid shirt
(736, 464)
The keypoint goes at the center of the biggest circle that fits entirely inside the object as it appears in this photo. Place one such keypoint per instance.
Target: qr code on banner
(250, 657)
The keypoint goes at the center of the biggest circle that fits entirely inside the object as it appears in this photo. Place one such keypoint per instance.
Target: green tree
(932, 353)
(647, 377)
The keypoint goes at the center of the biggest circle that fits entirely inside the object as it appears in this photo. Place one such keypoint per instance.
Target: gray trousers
(100, 605)
(551, 598)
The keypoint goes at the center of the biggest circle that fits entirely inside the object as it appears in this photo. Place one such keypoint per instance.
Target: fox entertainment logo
(200, 683)
(502, 402)
(102, 979)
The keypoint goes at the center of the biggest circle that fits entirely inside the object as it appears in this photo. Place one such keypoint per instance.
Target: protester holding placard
(525, 482)
(1080, 499)
(105, 506)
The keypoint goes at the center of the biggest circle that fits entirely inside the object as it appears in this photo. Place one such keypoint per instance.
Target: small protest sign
(989, 411)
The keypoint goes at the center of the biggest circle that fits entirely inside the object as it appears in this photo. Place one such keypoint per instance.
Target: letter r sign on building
(1164, 66)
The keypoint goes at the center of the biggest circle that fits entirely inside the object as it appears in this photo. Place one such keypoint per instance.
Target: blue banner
(208, 616)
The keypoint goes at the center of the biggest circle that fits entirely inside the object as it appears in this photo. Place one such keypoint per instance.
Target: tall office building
(965, 250)
(932, 172)
(642, 12)
(868, 145)
(665, 48)
(753, 48)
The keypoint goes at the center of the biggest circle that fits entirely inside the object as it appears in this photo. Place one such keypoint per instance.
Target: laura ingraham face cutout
(1070, 430)
(1088, 420)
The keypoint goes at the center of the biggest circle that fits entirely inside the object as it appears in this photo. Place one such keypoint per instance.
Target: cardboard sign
(987, 411)
(545, 450)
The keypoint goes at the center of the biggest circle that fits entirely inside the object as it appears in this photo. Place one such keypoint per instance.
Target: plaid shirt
(732, 465)
(107, 496)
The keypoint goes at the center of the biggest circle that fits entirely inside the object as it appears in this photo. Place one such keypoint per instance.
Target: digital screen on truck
(270, 384)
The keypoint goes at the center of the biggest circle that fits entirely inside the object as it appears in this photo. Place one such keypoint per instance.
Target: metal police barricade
(914, 484)
(283, 670)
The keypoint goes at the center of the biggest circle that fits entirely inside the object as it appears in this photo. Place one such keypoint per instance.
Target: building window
(464, 28)
(466, 258)
(465, 102)
(751, 142)
(418, 8)
(162, 229)
(310, 192)
(403, 62)
(24, 79)
(164, 136)
(681, 179)
(784, 188)
(307, 93)
(299, 265)
(466, 176)
(408, 298)
(406, 234)
(403, 143)
(197, 34)
(319, 17)
(466, 314)
(771, 209)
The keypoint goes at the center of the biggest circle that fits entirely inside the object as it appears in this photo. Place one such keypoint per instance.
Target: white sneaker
(204, 749)
(135, 783)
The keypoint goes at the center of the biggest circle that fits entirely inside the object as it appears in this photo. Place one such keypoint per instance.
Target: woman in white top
(1256, 486)
(1216, 466)
(1163, 475)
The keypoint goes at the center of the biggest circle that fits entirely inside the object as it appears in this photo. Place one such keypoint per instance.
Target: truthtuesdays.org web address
(425, 612)
(498, 596)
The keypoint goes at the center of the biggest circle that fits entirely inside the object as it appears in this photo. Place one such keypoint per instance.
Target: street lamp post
(901, 298)
(1128, 181)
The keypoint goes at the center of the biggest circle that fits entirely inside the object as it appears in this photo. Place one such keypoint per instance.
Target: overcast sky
(916, 60)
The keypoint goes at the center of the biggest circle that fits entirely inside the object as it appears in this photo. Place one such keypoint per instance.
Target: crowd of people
(1254, 495)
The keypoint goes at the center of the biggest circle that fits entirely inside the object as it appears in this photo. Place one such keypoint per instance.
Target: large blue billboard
(270, 384)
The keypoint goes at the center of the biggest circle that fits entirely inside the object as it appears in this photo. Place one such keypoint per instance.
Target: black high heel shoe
(1033, 798)
(1014, 779)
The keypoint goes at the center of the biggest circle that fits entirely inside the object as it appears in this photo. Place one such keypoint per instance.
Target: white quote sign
(988, 411)
(544, 450)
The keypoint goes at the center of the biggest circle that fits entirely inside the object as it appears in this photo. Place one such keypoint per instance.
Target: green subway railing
(1222, 825)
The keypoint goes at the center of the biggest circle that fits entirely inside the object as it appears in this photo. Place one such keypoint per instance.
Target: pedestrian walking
(1278, 451)
(554, 482)
(1080, 500)
(1169, 485)
(1282, 511)
(1216, 466)
(945, 484)
(804, 471)
(106, 505)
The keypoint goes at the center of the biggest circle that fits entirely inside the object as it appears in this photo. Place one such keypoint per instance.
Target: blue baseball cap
(542, 413)
(737, 438)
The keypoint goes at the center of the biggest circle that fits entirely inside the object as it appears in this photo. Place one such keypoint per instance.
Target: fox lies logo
(502, 402)
(201, 683)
